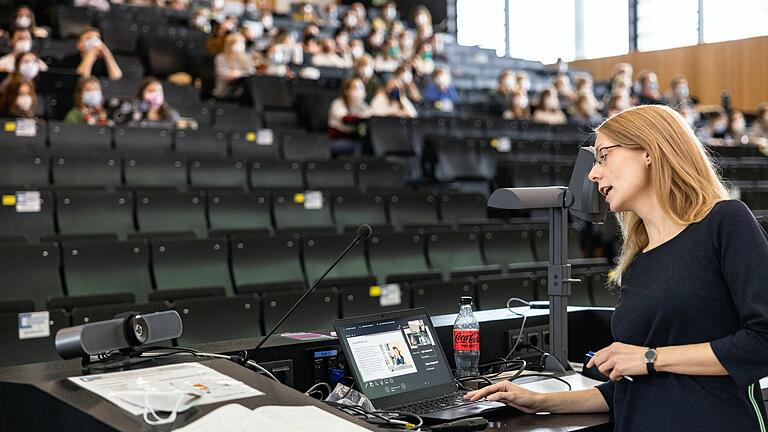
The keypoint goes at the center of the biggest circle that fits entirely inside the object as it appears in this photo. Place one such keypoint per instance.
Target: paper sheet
(187, 377)
(237, 418)
(546, 385)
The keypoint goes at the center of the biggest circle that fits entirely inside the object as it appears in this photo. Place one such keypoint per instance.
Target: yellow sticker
(298, 198)
(9, 200)
(374, 291)
(250, 136)
(10, 126)
(494, 143)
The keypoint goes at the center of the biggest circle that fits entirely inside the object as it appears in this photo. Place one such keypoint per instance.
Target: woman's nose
(594, 173)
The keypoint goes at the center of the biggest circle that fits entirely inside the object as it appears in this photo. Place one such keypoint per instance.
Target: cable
(542, 375)
(379, 417)
(522, 325)
(313, 389)
(259, 367)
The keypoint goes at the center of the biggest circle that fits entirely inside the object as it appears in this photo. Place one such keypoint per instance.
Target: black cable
(542, 375)
(382, 416)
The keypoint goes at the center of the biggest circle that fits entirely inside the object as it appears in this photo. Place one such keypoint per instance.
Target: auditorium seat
(315, 313)
(88, 314)
(298, 145)
(270, 91)
(463, 208)
(255, 144)
(12, 138)
(267, 175)
(602, 294)
(381, 175)
(424, 127)
(30, 272)
(239, 211)
(86, 171)
(187, 267)
(106, 269)
(144, 172)
(456, 251)
(92, 212)
(531, 174)
(397, 257)
(351, 210)
(138, 140)
(27, 223)
(390, 136)
(440, 297)
(301, 210)
(34, 350)
(167, 212)
(320, 250)
(456, 158)
(24, 170)
(412, 210)
(494, 291)
(580, 291)
(201, 142)
(531, 150)
(79, 137)
(211, 320)
(508, 245)
(218, 173)
(540, 236)
(330, 175)
(370, 299)
(230, 117)
(266, 263)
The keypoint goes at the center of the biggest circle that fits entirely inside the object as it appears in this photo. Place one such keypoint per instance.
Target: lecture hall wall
(740, 66)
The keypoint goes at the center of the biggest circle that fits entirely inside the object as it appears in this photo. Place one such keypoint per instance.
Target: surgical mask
(682, 91)
(421, 19)
(523, 101)
(367, 72)
(92, 43)
(358, 51)
(155, 99)
(277, 57)
(391, 13)
(738, 125)
(24, 102)
(238, 47)
(92, 98)
(218, 4)
(525, 85)
(22, 46)
(29, 69)
(394, 94)
(720, 127)
(23, 21)
(267, 21)
(509, 82)
(426, 55)
(551, 103)
(407, 77)
(394, 51)
(350, 21)
(357, 95)
(201, 21)
(342, 40)
(443, 80)
(173, 402)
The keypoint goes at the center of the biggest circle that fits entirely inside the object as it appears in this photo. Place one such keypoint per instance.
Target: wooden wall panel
(740, 66)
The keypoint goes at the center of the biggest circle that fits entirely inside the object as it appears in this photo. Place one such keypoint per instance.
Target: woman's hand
(510, 394)
(619, 360)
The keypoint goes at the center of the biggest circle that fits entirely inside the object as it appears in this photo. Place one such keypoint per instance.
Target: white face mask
(350, 21)
(357, 95)
(218, 4)
(172, 402)
(201, 21)
(407, 77)
(421, 19)
(24, 102)
(29, 69)
(509, 82)
(267, 21)
(23, 21)
(443, 80)
(92, 98)
(523, 101)
(92, 43)
(367, 72)
(358, 51)
(238, 47)
(22, 46)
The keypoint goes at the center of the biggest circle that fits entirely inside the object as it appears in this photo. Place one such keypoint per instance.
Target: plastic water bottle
(466, 340)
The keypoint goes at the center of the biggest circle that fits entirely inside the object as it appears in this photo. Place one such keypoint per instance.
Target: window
(542, 30)
(481, 23)
(603, 29)
(723, 20)
(663, 24)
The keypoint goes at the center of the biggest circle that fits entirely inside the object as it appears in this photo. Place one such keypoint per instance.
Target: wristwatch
(650, 356)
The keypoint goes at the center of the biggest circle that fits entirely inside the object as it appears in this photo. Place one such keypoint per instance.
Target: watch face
(650, 355)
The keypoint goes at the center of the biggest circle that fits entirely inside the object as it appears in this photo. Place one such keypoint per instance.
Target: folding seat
(71, 21)
(57, 105)
(24, 170)
(397, 257)
(330, 175)
(535, 131)
(266, 263)
(187, 266)
(312, 106)
(468, 127)
(580, 291)
(301, 210)
(235, 117)
(354, 209)
(424, 127)
(298, 145)
(164, 55)
(91, 212)
(456, 158)
(390, 136)
(507, 246)
(136, 140)
(561, 174)
(121, 35)
(494, 291)
(756, 199)
(365, 299)
(21, 218)
(106, 270)
(131, 66)
(455, 251)
(496, 128)
(541, 243)
(86, 171)
(30, 272)
(18, 351)
(270, 91)
(13, 138)
(255, 144)
(86, 314)
(201, 142)
(123, 89)
(221, 173)
(217, 319)
(315, 313)
(79, 137)
(441, 297)
(533, 150)
(269, 175)
(321, 249)
(380, 174)
(603, 295)
(156, 173)
(531, 174)
(165, 212)
(238, 211)
(463, 208)
(412, 210)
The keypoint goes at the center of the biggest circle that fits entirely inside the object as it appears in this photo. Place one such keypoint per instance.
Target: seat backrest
(396, 254)
(86, 171)
(453, 250)
(266, 175)
(376, 174)
(390, 136)
(203, 321)
(20, 216)
(218, 173)
(232, 211)
(14, 137)
(457, 158)
(20, 351)
(141, 172)
(201, 142)
(255, 144)
(494, 291)
(136, 140)
(266, 262)
(351, 210)
(299, 145)
(164, 212)
(24, 170)
(441, 297)
(508, 246)
(297, 210)
(320, 250)
(92, 212)
(412, 209)
(455, 208)
(235, 117)
(30, 271)
(330, 175)
(187, 264)
(540, 235)
(82, 137)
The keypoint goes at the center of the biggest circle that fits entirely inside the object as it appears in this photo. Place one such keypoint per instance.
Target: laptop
(398, 363)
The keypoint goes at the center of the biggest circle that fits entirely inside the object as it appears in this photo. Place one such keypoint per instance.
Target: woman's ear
(647, 159)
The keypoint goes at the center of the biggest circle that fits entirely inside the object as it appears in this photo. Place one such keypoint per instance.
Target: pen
(592, 354)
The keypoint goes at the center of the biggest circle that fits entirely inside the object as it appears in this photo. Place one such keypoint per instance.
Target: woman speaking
(691, 323)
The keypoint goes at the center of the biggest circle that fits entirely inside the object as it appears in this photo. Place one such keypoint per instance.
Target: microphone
(363, 233)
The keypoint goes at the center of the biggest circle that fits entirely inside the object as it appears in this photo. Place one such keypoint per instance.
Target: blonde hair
(240, 58)
(683, 176)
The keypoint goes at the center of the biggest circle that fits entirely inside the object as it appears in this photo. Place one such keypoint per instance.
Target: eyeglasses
(602, 156)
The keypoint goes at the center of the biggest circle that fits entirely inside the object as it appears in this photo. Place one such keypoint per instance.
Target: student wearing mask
(585, 113)
(440, 93)
(389, 58)
(375, 41)
(231, 65)
(422, 20)
(364, 72)
(678, 92)
(406, 44)
(519, 107)
(500, 98)
(389, 12)
(25, 19)
(309, 40)
(345, 115)
(758, 132)
(89, 104)
(356, 49)
(424, 60)
(649, 89)
(201, 20)
(691, 324)
(19, 99)
(549, 111)
(736, 132)
(392, 101)
(94, 57)
(27, 67)
(341, 40)
(327, 57)
(156, 112)
(21, 41)
(565, 94)
(404, 74)
(618, 101)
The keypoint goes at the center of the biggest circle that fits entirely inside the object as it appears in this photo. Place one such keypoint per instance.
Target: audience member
(25, 19)
(364, 72)
(424, 60)
(19, 99)
(649, 93)
(758, 132)
(500, 98)
(21, 41)
(94, 57)
(392, 101)
(565, 94)
(404, 74)
(440, 93)
(585, 112)
(549, 111)
(89, 104)
(678, 92)
(736, 132)
(328, 57)
(618, 101)
(201, 20)
(26, 67)
(519, 107)
(388, 58)
(344, 117)
(422, 20)
(231, 65)
(155, 112)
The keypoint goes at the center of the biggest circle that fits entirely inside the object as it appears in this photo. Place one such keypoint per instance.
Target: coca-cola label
(466, 340)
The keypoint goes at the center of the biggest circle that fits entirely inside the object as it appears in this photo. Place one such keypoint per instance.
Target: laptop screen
(393, 354)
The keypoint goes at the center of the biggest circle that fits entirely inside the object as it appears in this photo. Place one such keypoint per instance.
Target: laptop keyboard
(436, 404)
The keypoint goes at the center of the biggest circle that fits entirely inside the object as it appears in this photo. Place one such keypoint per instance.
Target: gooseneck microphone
(363, 233)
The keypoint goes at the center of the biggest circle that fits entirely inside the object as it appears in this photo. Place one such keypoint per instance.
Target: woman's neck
(658, 225)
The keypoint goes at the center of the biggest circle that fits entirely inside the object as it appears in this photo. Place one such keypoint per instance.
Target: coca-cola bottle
(466, 340)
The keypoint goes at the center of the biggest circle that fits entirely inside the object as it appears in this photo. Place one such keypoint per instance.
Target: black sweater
(707, 284)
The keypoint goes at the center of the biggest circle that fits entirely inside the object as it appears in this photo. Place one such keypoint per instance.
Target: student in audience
(618, 101)
(89, 104)
(276, 62)
(406, 40)
(688, 112)
(94, 57)
(345, 115)
(356, 49)
(155, 112)
(440, 93)
(309, 40)
(219, 33)
(375, 41)
(736, 132)
(26, 67)
(585, 113)
(392, 101)
(18, 99)
(231, 65)
(25, 19)
(404, 74)
(327, 57)
(585, 85)
(565, 94)
(422, 20)
(549, 111)
(306, 14)
(389, 58)
(758, 132)
(389, 12)
(519, 107)
(649, 89)
(678, 92)
(21, 41)
(363, 27)
(622, 73)
(500, 98)
(349, 22)
(364, 72)
(424, 60)
(714, 131)
(201, 20)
